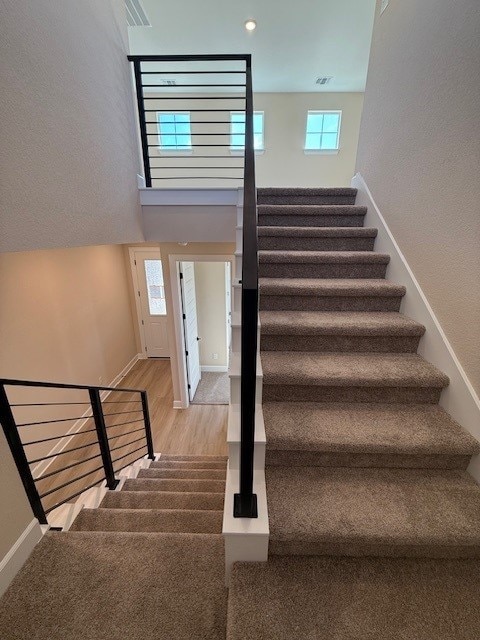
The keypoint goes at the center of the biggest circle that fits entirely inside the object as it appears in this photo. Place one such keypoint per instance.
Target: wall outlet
(384, 5)
(215, 356)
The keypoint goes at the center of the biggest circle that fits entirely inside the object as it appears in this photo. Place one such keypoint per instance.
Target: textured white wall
(419, 154)
(211, 312)
(68, 156)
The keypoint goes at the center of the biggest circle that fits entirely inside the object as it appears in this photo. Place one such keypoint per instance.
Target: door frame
(136, 288)
(179, 347)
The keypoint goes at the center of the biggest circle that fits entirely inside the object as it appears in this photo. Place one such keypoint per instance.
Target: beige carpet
(213, 388)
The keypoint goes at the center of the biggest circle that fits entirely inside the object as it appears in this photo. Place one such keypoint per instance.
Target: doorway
(147, 273)
(201, 292)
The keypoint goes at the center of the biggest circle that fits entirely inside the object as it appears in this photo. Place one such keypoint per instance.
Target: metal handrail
(95, 404)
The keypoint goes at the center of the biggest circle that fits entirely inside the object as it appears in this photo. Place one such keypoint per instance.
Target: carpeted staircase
(148, 564)
(374, 523)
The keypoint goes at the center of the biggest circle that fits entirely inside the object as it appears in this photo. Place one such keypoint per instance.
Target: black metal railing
(207, 124)
(36, 416)
(206, 89)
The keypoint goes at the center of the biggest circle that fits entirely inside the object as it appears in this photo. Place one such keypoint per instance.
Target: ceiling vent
(136, 16)
(324, 80)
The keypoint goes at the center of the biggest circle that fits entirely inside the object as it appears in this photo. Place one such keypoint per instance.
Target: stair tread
(163, 500)
(311, 209)
(330, 287)
(192, 458)
(386, 508)
(338, 322)
(346, 598)
(149, 520)
(318, 232)
(337, 369)
(188, 464)
(365, 428)
(329, 257)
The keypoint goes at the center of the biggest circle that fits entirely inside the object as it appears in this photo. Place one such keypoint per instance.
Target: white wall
(69, 156)
(420, 157)
(211, 312)
(283, 163)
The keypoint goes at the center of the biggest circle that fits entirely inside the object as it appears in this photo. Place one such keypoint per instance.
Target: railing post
(148, 428)
(142, 122)
(99, 420)
(245, 502)
(16, 447)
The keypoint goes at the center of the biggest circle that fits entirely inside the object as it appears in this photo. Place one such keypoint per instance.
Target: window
(155, 287)
(174, 131)
(323, 130)
(237, 130)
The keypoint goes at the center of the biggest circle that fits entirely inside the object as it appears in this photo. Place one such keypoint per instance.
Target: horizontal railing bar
(32, 424)
(190, 57)
(193, 134)
(122, 435)
(120, 424)
(65, 484)
(171, 146)
(46, 404)
(190, 72)
(191, 167)
(122, 446)
(61, 453)
(195, 98)
(193, 122)
(69, 435)
(57, 385)
(121, 413)
(74, 495)
(167, 157)
(199, 178)
(175, 86)
(128, 454)
(190, 110)
(69, 466)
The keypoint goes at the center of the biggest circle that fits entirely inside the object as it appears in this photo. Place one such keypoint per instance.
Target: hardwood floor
(200, 429)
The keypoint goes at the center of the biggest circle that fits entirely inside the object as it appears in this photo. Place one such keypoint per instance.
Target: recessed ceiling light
(250, 25)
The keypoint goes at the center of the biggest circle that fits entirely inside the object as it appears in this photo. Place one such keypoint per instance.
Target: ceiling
(294, 42)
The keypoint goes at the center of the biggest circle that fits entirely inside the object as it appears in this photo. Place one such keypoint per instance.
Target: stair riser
(184, 474)
(352, 548)
(376, 344)
(325, 270)
(180, 522)
(330, 303)
(162, 500)
(285, 458)
(304, 199)
(313, 393)
(298, 220)
(200, 486)
(296, 243)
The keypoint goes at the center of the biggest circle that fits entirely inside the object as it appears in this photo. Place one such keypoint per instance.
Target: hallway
(198, 430)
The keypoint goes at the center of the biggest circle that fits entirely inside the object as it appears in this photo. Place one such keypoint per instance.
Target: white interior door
(190, 328)
(228, 302)
(151, 291)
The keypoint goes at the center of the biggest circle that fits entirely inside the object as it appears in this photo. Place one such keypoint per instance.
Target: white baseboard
(459, 398)
(178, 404)
(215, 368)
(41, 467)
(18, 554)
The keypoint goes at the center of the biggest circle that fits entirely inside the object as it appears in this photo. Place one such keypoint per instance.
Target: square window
(174, 131)
(237, 130)
(323, 130)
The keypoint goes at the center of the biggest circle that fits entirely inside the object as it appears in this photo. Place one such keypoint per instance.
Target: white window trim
(327, 152)
(169, 152)
(240, 152)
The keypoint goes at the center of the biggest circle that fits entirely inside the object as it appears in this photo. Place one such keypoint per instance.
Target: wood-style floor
(200, 430)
